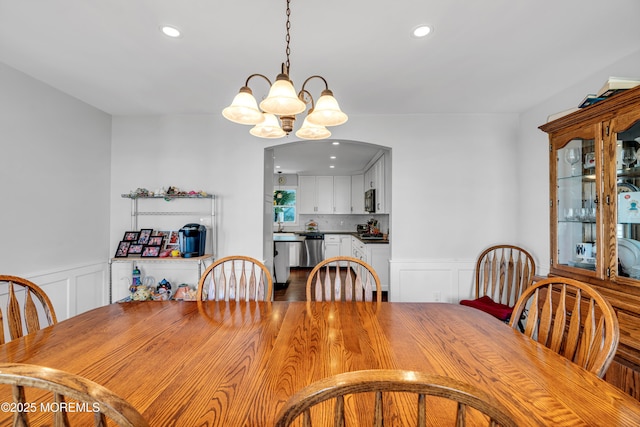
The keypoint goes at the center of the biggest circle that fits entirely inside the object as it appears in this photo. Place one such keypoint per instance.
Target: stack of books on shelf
(612, 86)
(615, 85)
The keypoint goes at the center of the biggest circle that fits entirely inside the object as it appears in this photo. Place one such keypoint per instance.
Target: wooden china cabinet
(595, 214)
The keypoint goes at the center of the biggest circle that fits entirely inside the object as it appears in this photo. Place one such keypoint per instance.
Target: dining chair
(572, 319)
(235, 278)
(381, 382)
(502, 273)
(74, 398)
(34, 312)
(343, 278)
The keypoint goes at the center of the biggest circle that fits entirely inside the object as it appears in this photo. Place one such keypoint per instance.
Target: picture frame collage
(147, 243)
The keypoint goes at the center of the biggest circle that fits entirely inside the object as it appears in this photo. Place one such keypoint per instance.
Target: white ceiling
(483, 56)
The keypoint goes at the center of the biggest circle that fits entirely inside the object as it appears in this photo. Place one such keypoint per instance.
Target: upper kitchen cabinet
(341, 194)
(324, 194)
(375, 177)
(357, 194)
(595, 213)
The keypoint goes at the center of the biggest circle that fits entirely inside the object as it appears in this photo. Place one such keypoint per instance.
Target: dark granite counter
(366, 240)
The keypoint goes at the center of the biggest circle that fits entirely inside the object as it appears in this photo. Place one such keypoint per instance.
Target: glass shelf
(169, 196)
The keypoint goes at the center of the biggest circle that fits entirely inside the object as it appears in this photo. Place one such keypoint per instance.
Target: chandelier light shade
(268, 128)
(282, 99)
(327, 111)
(312, 131)
(277, 113)
(244, 109)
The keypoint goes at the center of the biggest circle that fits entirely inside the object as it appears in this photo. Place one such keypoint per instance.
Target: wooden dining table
(183, 363)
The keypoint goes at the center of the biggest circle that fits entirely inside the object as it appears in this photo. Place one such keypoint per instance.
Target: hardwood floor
(296, 288)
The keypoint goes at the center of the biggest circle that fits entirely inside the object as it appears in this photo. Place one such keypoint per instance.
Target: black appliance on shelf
(192, 240)
(370, 201)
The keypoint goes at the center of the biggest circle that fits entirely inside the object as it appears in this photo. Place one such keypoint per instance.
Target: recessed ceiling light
(332, 157)
(335, 143)
(170, 31)
(421, 31)
(331, 166)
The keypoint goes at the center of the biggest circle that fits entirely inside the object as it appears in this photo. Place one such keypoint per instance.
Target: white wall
(191, 152)
(54, 208)
(459, 182)
(453, 191)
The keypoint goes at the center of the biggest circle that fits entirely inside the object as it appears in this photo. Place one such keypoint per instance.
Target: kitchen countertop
(289, 238)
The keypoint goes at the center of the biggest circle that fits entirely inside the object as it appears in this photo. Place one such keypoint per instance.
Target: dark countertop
(350, 233)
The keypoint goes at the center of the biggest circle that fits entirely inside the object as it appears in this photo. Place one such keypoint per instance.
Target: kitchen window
(284, 206)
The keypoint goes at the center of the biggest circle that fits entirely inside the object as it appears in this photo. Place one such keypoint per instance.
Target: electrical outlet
(437, 296)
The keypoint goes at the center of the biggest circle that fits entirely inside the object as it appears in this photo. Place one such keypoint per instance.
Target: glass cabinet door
(576, 213)
(627, 144)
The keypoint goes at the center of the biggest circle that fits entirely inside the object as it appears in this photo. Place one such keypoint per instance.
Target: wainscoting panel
(77, 289)
(431, 280)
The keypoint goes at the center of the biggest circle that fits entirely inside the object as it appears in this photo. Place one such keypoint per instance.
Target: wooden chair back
(28, 314)
(87, 398)
(380, 383)
(572, 319)
(343, 278)
(503, 272)
(236, 278)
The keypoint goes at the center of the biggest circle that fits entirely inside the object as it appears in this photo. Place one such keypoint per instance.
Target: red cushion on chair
(486, 304)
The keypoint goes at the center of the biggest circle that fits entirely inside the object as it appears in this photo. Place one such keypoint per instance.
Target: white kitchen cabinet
(294, 254)
(380, 185)
(374, 178)
(315, 194)
(345, 245)
(331, 245)
(341, 194)
(357, 194)
(324, 194)
(358, 249)
(307, 199)
(337, 245)
(376, 255)
(378, 258)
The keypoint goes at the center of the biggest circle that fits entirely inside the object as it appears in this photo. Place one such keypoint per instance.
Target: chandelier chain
(288, 37)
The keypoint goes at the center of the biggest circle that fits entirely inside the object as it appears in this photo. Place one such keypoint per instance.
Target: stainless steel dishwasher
(313, 250)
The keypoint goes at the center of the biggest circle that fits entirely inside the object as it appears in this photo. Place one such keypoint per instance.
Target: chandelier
(277, 112)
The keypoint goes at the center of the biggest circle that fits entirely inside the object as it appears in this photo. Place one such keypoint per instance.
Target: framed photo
(173, 238)
(163, 233)
(155, 241)
(150, 251)
(131, 236)
(135, 248)
(145, 233)
(123, 249)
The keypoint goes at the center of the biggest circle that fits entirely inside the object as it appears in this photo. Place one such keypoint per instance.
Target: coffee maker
(192, 240)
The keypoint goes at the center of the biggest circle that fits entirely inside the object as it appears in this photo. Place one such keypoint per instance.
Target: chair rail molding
(75, 289)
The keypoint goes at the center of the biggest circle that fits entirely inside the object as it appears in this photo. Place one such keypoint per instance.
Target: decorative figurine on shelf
(163, 291)
(135, 279)
(142, 293)
(136, 276)
(183, 292)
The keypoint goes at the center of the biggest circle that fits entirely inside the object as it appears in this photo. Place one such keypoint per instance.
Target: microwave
(370, 201)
